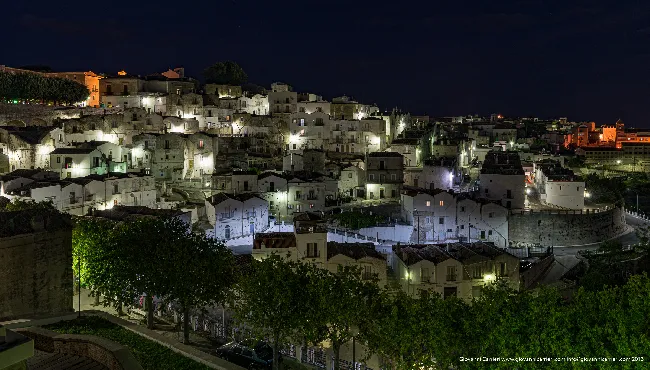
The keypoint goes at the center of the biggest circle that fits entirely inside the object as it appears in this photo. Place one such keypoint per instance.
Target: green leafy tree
(202, 272)
(269, 301)
(31, 86)
(19, 205)
(225, 73)
(344, 301)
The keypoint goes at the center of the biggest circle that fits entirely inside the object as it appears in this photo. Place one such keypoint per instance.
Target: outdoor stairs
(61, 361)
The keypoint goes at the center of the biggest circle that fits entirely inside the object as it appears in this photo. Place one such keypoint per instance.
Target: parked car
(250, 354)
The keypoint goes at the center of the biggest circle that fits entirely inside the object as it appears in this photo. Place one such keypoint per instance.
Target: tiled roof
(73, 150)
(353, 250)
(277, 240)
(413, 254)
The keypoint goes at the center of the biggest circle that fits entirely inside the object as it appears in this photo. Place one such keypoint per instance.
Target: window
(489, 232)
(502, 269)
(393, 177)
(577, 188)
(428, 203)
(462, 209)
(350, 175)
(424, 275)
(451, 273)
(441, 221)
(509, 193)
(200, 143)
(442, 203)
(477, 272)
(428, 220)
(58, 159)
(476, 291)
(294, 146)
(382, 165)
(312, 250)
(302, 122)
(116, 188)
(491, 215)
(298, 197)
(371, 177)
(367, 273)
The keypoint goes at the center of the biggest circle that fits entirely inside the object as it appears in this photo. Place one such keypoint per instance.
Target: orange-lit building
(586, 135)
(88, 79)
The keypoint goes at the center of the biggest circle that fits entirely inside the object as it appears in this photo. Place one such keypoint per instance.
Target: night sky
(588, 60)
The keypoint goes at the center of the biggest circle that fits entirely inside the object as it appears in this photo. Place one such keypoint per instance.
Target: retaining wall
(564, 228)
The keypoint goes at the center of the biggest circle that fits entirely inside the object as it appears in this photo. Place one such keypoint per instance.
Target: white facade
(352, 178)
(236, 216)
(256, 104)
(510, 190)
(443, 216)
(77, 162)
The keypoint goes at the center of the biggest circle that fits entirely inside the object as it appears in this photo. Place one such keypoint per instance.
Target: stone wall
(564, 228)
(35, 264)
(42, 115)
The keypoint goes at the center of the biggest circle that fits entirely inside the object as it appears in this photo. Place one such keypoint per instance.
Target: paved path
(61, 361)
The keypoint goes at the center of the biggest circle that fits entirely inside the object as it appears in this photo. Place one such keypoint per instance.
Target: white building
(409, 149)
(78, 195)
(282, 100)
(77, 162)
(384, 175)
(256, 104)
(440, 216)
(305, 195)
(352, 181)
(558, 186)
(502, 179)
(236, 215)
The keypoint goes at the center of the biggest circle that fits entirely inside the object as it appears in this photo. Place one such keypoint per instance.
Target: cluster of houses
(238, 162)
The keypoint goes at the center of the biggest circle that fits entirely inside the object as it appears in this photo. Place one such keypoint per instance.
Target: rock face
(564, 228)
(35, 264)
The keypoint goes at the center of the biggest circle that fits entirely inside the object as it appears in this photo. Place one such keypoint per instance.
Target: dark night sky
(587, 60)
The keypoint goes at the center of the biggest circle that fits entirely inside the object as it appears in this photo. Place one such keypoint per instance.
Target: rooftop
(384, 154)
(278, 240)
(353, 250)
(502, 163)
(120, 213)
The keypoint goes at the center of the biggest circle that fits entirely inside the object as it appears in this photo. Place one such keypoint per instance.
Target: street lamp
(354, 331)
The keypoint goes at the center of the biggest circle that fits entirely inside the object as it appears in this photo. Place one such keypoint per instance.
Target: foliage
(225, 73)
(611, 265)
(576, 161)
(270, 300)
(415, 333)
(31, 86)
(253, 88)
(604, 189)
(200, 270)
(20, 205)
(342, 301)
(151, 355)
(357, 220)
(157, 257)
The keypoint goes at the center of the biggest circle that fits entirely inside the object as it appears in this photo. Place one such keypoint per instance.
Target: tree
(269, 301)
(344, 302)
(31, 86)
(202, 272)
(19, 205)
(225, 73)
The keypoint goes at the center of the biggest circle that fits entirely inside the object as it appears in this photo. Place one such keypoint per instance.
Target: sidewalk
(200, 348)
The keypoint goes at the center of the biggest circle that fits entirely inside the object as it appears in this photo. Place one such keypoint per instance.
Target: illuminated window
(428, 203)
(200, 143)
(442, 203)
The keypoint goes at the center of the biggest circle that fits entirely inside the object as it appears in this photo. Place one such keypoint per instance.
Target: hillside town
(424, 204)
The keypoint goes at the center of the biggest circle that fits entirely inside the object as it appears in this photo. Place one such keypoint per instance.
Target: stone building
(503, 179)
(36, 264)
(384, 175)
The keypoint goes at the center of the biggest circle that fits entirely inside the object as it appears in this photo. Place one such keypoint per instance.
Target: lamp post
(355, 331)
